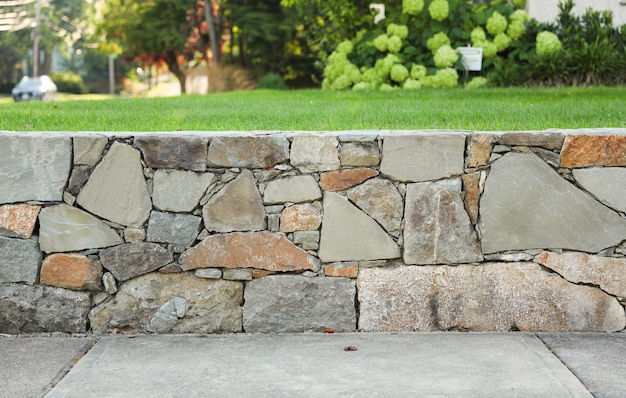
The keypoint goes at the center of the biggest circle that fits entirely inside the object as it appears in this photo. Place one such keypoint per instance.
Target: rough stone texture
(310, 153)
(78, 179)
(71, 271)
(109, 283)
(179, 190)
(253, 152)
(35, 309)
(236, 207)
(349, 234)
(479, 149)
(592, 150)
(527, 205)
(493, 297)
(214, 306)
(605, 183)
(63, 228)
(344, 179)
(380, 199)
(287, 304)
(134, 235)
(18, 221)
(19, 260)
(471, 187)
(168, 315)
(33, 167)
(88, 149)
(116, 189)
(295, 189)
(551, 158)
(606, 272)
(348, 270)
(177, 229)
(209, 273)
(308, 240)
(167, 152)
(437, 229)
(423, 157)
(300, 218)
(359, 154)
(538, 139)
(170, 269)
(263, 250)
(129, 260)
(237, 274)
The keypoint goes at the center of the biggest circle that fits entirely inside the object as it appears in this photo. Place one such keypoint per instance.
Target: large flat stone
(177, 229)
(492, 297)
(236, 207)
(34, 167)
(213, 306)
(381, 200)
(349, 234)
(609, 273)
(117, 189)
(262, 250)
(88, 149)
(365, 154)
(19, 260)
(71, 271)
(18, 221)
(536, 139)
(605, 183)
(133, 259)
(34, 309)
(168, 152)
(593, 150)
(63, 228)
(344, 179)
(296, 189)
(527, 205)
(252, 152)
(288, 304)
(423, 157)
(179, 190)
(310, 153)
(437, 228)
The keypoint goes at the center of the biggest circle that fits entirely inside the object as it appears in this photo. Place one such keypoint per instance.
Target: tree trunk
(172, 63)
(208, 15)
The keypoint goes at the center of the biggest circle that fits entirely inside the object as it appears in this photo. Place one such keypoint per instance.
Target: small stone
(134, 235)
(237, 274)
(358, 136)
(259, 273)
(88, 149)
(129, 260)
(109, 283)
(78, 179)
(472, 195)
(300, 218)
(359, 154)
(551, 158)
(167, 316)
(274, 209)
(296, 189)
(348, 270)
(308, 240)
(479, 149)
(170, 269)
(309, 274)
(18, 221)
(69, 199)
(174, 228)
(382, 201)
(273, 222)
(509, 257)
(251, 152)
(344, 179)
(593, 150)
(100, 298)
(209, 273)
(19, 260)
(311, 153)
(71, 271)
(370, 264)
(174, 152)
(501, 149)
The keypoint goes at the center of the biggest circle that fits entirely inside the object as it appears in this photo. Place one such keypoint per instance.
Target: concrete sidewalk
(328, 365)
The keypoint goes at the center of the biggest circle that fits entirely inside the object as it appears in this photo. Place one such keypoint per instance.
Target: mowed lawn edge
(494, 109)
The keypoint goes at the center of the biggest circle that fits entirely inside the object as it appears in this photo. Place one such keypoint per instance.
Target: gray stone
(527, 205)
(380, 199)
(214, 306)
(551, 158)
(494, 297)
(78, 179)
(273, 222)
(437, 228)
(423, 157)
(117, 189)
(129, 260)
(358, 136)
(261, 152)
(63, 228)
(35, 309)
(88, 149)
(605, 183)
(359, 154)
(513, 257)
(349, 234)
(608, 273)
(174, 152)
(209, 273)
(168, 315)
(177, 229)
(109, 283)
(310, 153)
(178, 190)
(19, 260)
(237, 274)
(296, 189)
(34, 167)
(287, 304)
(308, 240)
(134, 235)
(537, 139)
(236, 207)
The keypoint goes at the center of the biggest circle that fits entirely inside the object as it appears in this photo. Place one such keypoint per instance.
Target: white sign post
(471, 58)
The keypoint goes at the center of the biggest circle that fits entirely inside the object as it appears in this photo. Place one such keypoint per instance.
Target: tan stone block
(259, 273)
(18, 220)
(594, 150)
(471, 183)
(72, 271)
(344, 179)
(350, 270)
(479, 149)
(300, 218)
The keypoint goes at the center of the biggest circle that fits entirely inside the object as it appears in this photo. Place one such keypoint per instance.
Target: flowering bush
(496, 23)
(418, 72)
(444, 78)
(399, 73)
(446, 57)
(412, 84)
(548, 43)
(381, 42)
(394, 44)
(502, 41)
(398, 30)
(412, 7)
(437, 41)
(516, 30)
(439, 9)
(477, 82)
(478, 35)
(345, 47)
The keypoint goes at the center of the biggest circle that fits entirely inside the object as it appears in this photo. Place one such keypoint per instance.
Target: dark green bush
(69, 82)
(272, 81)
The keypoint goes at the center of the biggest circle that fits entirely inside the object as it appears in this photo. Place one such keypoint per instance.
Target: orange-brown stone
(479, 149)
(594, 150)
(263, 250)
(259, 273)
(300, 218)
(342, 270)
(344, 179)
(471, 183)
(18, 220)
(72, 271)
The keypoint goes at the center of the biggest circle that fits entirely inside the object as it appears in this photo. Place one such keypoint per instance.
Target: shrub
(69, 82)
(272, 81)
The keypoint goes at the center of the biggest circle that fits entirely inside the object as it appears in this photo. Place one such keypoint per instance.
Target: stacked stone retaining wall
(201, 232)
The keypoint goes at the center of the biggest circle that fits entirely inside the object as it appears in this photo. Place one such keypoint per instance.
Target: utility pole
(36, 39)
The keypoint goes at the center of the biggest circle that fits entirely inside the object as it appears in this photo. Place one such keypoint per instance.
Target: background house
(547, 10)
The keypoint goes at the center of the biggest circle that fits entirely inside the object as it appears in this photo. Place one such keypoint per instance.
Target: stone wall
(290, 232)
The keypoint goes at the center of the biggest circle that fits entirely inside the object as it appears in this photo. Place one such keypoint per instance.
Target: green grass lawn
(484, 109)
